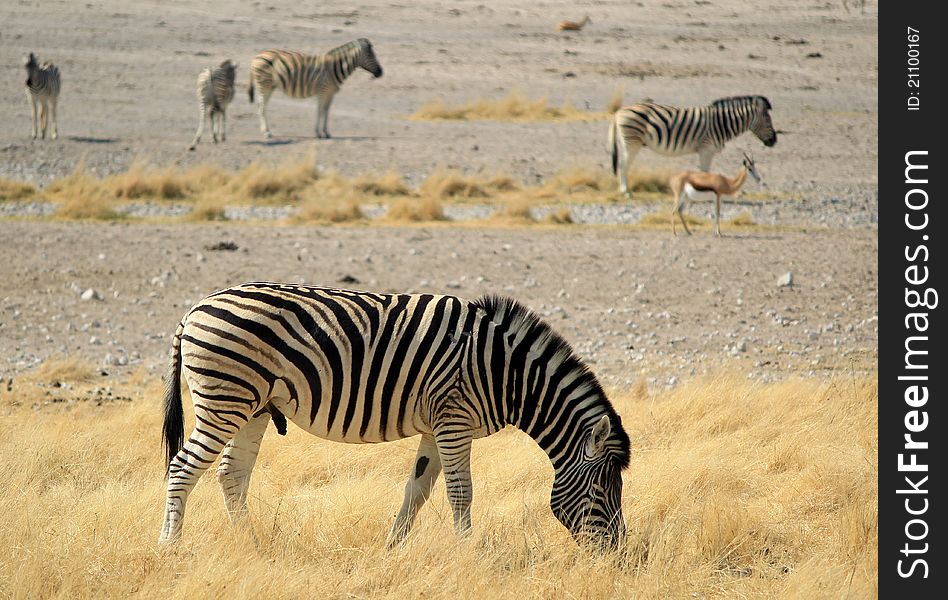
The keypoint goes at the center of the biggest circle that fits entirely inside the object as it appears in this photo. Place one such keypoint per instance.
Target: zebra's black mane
(516, 315)
(735, 99)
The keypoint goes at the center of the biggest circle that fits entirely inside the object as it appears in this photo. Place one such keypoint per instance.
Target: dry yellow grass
(515, 106)
(64, 369)
(15, 190)
(389, 184)
(415, 210)
(735, 490)
(514, 211)
(743, 220)
(615, 102)
(81, 196)
(146, 182)
(560, 216)
(316, 211)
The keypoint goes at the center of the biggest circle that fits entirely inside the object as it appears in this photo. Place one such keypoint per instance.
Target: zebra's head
(230, 69)
(367, 59)
(31, 64)
(587, 490)
(761, 125)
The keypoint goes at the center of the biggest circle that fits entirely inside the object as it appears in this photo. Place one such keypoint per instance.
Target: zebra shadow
(82, 139)
(273, 142)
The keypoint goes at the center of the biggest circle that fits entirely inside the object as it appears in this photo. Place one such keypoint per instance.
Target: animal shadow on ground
(82, 139)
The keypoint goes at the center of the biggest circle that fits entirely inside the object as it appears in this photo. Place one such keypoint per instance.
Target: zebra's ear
(600, 433)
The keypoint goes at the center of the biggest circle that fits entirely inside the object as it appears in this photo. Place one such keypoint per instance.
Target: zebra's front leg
(223, 126)
(215, 125)
(262, 113)
(322, 117)
(200, 129)
(238, 461)
(35, 122)
(53, 118)
(44, 114)
(455, 450)
(422, 478)
(717, 215)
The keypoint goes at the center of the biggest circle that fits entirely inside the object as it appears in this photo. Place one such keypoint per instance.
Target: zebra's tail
(250, 89)
(613, 146)
(173, 429)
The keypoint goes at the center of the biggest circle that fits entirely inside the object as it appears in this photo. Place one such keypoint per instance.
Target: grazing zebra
(215, 90)
(42, 85)
(361, 367)
(302, 76)
(675, 131)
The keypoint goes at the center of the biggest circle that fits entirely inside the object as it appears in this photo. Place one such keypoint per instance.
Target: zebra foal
(42, 86)
(215, 90)
(676, 131)
(302, 76)
(361, 367)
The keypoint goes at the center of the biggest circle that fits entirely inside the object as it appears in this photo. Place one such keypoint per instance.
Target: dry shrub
(322, 211)
(208, 209)
(743, 220)
(64, 369)
(390, 184)
(15, 190)
(425, 208)
(649, 181)
(279, 183)
(446, 183)
(513, 107)
(144, 181)
(706, 518)
(81, 196)
(615, 102)
(560, 216)
(502, 183)
(516, 210)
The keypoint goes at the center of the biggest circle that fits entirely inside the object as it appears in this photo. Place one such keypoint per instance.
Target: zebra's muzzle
(378, 73)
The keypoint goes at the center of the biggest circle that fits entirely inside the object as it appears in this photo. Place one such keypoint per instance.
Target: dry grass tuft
(208, 209)
(64, 369)
(446, 183)
(707, 516)
(81, 196)
(560, 216)
(390, 184)
(615, 102)
(663, 218)
(322, 211)
(425, 208)
(512, 107)
(276, 183)
(516, 210)
(648, 181)
(15, 190)
(144, 181)
(743, 220)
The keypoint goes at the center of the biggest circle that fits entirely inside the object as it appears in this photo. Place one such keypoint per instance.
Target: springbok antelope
(691, 185)
(573, 25)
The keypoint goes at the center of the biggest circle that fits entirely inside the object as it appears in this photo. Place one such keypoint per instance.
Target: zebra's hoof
(191, 148)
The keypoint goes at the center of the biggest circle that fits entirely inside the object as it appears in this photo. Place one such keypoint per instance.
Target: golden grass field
(735, 490)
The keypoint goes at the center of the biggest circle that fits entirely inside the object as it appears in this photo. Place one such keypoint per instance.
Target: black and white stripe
(361, 367)
(215, 90)
(675, 131)
(302, 76)
(42, 86)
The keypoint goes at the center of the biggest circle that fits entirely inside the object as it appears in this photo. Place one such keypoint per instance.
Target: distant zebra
(215, 90)
(675, 131)
(302, 76)
(42, 85)
(361, 367)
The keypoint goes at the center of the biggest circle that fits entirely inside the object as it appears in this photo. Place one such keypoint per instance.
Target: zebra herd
(362, 367)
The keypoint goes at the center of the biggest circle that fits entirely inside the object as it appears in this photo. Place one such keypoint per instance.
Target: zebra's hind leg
(262, 113)
(53, 118)
(200, 450)
(240, 455)
(43, 119)
(322, 116)
(215, 124)
(422, 478)
(626, 158)
(200, 129)
(222, 126)
(35, 122)
(454, 447)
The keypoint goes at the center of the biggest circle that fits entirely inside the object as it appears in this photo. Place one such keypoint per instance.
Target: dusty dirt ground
(635, 303)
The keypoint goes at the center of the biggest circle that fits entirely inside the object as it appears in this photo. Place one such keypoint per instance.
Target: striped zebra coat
(361, 367)
(302, 76)
(676, 131)
(42, 87)
(215, 90)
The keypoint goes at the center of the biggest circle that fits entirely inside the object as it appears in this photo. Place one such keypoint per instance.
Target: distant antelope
(215, 90)
(573, 25)
(690, 185)
(301, 76)
(42, 85)
(674, 131)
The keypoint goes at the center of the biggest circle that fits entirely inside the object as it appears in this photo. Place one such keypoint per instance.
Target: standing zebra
(42, 85)
(302, 76)
(675, 131)
(215, 90)
(360, 367)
